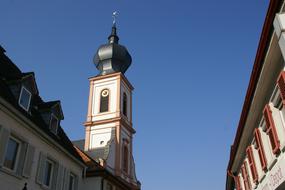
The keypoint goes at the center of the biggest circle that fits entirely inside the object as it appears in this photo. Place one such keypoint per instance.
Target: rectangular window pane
(11, 154)
(25, 98)
(48, 173)
(53, 124)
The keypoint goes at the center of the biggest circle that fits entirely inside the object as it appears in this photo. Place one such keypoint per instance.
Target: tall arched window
(125, 104)
(125, 158)
(104, 100)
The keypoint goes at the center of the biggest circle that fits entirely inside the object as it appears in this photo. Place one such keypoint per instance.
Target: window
(48, 173)
(252, 164)
(125, 104)
(260, 149)
(245, 176)
(126, 158)
(237, 181)
(53, 124)
(71, 182)
(11, 153)
(104, 100)
(271, 130)
(16, 155)
(281, 84)
(25, 99)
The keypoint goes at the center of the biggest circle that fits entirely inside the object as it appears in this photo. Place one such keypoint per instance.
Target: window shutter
(271, 130)
(4, 137)
(60, 177)
(260, 149)
(41, 168)
(54, 175)
(21, 158)
(245, 177)
(237, 181)
(252, 164)
(29, 161)
(76, 183)
(66, 178)
(281, 85)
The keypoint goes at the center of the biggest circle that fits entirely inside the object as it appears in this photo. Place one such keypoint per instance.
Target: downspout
(84, 172)
(231, 175)
(102, 183)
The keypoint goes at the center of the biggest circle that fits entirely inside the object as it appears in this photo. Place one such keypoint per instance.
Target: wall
(10, 182)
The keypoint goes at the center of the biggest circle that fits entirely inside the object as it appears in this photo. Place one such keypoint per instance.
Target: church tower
(108, 129)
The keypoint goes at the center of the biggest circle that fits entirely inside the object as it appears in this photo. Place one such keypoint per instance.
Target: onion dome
(112, 57)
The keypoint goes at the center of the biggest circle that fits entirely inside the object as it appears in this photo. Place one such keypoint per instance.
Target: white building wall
(98, 86)
(100, 135)
(275, 176)
(125, 89)
(9, 181)
(91, 183)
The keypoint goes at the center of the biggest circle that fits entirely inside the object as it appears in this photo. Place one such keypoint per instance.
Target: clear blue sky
(191, 66)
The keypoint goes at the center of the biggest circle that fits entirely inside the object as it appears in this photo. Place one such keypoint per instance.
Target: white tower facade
(109, 129)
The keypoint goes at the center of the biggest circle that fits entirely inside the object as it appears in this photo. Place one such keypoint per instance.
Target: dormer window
(25, 99)
(53, 124)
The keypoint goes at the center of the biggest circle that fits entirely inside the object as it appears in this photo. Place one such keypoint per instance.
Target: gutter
(274, 7)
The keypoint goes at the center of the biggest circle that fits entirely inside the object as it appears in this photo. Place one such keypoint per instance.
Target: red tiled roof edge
(274, 5)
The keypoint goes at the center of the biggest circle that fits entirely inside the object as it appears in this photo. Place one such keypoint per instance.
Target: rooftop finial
(115, 15)
(113, 38)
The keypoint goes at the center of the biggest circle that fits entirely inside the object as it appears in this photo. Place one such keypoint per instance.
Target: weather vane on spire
(115, 15)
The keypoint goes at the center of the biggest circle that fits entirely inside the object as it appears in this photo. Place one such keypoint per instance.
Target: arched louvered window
(104, 101)
(125, 158)
(125, 104)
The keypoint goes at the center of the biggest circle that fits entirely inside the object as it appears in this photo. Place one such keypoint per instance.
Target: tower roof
(112, 57)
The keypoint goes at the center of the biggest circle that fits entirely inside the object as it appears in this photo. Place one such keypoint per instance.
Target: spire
(112, 57)
(113, 38)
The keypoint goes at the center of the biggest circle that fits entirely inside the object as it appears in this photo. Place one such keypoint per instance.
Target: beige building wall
(22, 129)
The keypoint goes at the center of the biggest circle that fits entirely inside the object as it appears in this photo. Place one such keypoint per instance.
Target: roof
(267, 30)
(95, 169)
(10, 72)
(97, 153)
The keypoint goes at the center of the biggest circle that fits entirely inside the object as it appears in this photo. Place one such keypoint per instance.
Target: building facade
(257, 158)
(35, 152)
(108, 128)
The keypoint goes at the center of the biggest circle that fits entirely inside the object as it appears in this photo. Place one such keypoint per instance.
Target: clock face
(105, 93)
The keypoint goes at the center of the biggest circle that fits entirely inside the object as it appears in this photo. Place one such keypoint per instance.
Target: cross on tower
(115, 15)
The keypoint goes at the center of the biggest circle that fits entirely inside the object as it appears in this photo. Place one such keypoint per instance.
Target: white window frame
(23, 88)
(51, 173)
(53, 116)
(17, 154)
